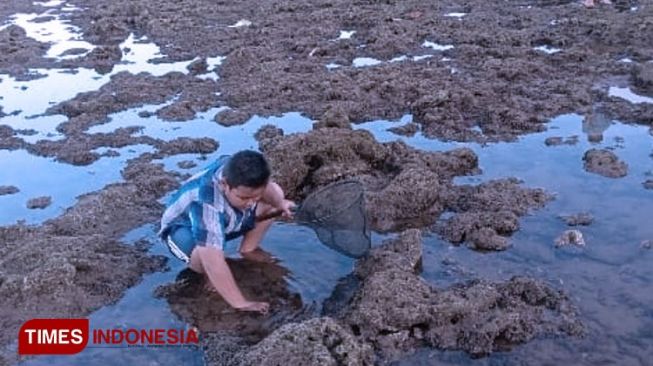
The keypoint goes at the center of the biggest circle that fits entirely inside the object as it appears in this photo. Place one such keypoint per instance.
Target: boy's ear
(223, 184)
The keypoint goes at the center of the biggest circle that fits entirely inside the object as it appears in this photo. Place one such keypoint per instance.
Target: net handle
(277, 213)
(272, 215)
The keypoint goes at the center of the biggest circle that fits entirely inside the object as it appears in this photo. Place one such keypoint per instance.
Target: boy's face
(242, 197)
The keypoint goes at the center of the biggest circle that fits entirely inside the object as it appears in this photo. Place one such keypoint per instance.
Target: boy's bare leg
(211, 261)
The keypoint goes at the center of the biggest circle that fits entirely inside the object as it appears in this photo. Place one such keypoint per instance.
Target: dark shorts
(180, 240)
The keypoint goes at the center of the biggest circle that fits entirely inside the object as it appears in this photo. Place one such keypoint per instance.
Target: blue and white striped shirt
(201, 205)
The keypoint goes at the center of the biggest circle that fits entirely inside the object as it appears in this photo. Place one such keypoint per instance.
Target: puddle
(212, 68)
(231, 139)
(346, 34)
(51, 3)
(45, 126)
(140, 53)
(35, 96)
(365, 61)
(62, 182)
(455, 15)
(314, 271)
(240, 23)
(368, 61)
(627, 94)
(333, 66)
(547, 49)
(414, 58)
(612, 275)
(59, 33)
(437, 46)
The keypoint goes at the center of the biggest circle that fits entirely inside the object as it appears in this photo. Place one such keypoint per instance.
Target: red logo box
(53, 336)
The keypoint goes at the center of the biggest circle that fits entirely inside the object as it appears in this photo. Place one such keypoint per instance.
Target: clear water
(62, 182)
(627, 94)
(65, 182)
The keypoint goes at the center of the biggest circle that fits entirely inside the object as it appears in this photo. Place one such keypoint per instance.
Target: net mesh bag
(337, 215)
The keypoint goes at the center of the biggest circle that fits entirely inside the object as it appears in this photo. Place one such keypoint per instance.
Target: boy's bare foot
(209, 287)
(255, 306)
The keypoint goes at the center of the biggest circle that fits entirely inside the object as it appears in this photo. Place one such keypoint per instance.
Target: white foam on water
(626, 60)
(332, 65)
(455, 15)
(437, 46)
(627, 94)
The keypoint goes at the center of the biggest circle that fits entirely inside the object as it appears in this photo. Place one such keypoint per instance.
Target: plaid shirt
(201, 205)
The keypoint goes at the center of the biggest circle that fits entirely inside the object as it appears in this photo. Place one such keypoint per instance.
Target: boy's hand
(287, 208)
(255, 306)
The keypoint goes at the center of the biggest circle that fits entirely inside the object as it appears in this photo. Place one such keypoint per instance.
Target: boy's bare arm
(215, 266)
(274, 196)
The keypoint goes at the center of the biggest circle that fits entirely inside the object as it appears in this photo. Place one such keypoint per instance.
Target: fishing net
(337, 215)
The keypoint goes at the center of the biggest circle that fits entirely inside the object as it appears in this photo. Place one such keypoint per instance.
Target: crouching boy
(219, 204)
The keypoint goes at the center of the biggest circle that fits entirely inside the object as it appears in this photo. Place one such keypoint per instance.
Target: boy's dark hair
(247, 168)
